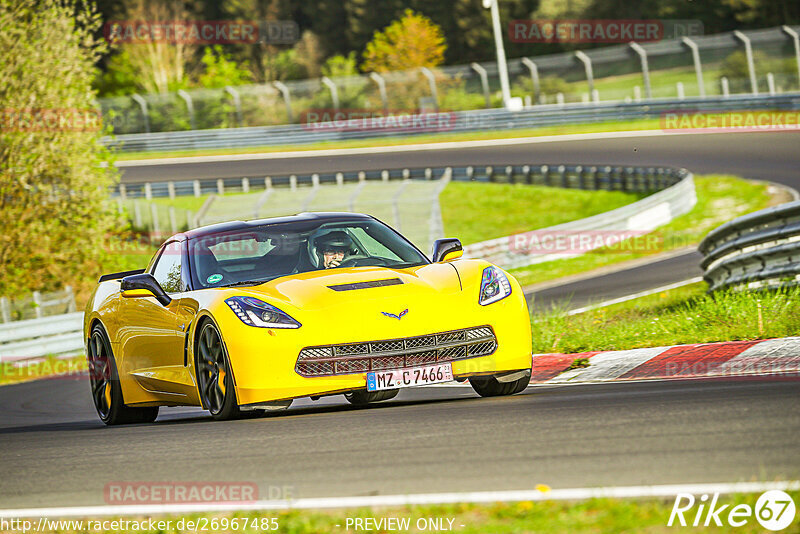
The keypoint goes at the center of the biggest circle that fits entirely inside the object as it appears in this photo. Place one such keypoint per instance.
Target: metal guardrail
(462, 121)
(37, 305)
(59, 335)
(757, 250)
(675, 196)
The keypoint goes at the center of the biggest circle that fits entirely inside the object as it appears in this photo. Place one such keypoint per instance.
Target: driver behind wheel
(333, 247)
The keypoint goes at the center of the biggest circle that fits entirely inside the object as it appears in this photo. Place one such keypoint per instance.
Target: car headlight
(494, 286)
(255, 312)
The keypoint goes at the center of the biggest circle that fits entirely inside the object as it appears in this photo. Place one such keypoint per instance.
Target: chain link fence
(701, 66)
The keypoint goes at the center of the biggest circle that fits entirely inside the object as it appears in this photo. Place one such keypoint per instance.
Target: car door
(151, 341)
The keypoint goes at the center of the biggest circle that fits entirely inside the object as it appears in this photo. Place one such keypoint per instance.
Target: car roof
(232, 226)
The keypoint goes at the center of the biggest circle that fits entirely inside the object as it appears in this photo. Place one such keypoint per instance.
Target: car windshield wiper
(247, 282)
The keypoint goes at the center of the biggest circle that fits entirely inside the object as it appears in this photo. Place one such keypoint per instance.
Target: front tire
(106, 390)
(490, 386)
(359, 398)
(214, 377)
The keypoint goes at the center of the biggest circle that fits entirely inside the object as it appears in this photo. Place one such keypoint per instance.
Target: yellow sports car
(247, 316)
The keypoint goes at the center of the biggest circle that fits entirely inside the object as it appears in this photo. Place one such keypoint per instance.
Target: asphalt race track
(438, 439)
(435, 439)
(763, 156)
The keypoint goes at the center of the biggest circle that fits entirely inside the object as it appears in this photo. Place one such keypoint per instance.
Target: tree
(54, 170)
(412, 41)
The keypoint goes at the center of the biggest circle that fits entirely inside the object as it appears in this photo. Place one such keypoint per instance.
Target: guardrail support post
(237, 103)
(725, 88)
(432, 83)
(196, 187)
(123, 192)
(287, 99)
(534, 79)
(5, 309)
(796, 41)
(172, 221)
(220, 187)
(681, 93)
(698, 67)
(645, 68)
(137, 214)
(171, 190)
(143, 106)
(378, 79)
(748, 52)
(37, 301)
(148, 191)
(189, 107)
(587, 65)
(245, 185)
(334, 92)
(771, 84)
(484, 82)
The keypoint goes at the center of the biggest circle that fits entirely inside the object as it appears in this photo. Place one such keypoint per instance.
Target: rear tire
(359, 398)
(491, 387)
(214, 377)
(106, 390)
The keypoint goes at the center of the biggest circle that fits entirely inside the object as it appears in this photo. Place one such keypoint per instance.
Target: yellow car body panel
(154, 345)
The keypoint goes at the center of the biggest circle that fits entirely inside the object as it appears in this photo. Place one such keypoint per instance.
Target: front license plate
(412, 376)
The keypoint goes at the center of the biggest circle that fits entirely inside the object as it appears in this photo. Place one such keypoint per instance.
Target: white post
(220, 187)
(595, 96)
(137, 214)
(681, 93)
(645, 68)
(502, 68)
(245, 185)
(637, 93)
(771, 83)
(334, 92)
(560, 99)
(725, 89)
(698, 67)
(748, 52)
(534, 79)
(587, 65)
(339, 179)
(796, 41)
(172, 221)
(37, 301)
(171, 190)
(189, 107)
(154, 219)
(123, 192)
(378, 79)
(5, 309)
(237, 103)
(432, 84)
(148, 191)
(196, 187)
(293, 182)
(484, 82)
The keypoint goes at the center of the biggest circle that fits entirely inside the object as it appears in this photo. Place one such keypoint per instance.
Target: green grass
(610, 126)
(663, 83)
(591, 516)
(683, 315)
(720, 198)
(516, 208)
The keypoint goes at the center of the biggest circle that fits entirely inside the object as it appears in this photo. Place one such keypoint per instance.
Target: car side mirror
(144, 285)
(447, 249)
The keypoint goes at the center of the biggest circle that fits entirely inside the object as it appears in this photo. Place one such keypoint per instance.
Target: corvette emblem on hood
(398, 316)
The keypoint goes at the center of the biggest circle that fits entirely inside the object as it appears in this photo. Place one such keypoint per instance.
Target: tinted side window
(168, 268)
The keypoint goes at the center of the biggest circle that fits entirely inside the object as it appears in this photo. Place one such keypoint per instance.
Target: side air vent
(367, 285)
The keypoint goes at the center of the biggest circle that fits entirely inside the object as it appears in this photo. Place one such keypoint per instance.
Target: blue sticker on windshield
(214, 278)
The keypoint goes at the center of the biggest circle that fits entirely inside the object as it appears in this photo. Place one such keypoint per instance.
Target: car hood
(360, 288)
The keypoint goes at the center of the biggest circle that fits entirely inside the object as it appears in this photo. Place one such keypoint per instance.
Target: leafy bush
(53, 185)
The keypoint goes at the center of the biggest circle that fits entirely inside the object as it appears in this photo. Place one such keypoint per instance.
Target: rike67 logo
(774, 510)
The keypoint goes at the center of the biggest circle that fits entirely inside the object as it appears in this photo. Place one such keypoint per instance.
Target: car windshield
(263, 253)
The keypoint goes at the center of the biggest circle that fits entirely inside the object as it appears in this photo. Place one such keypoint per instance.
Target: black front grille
(396, 353)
